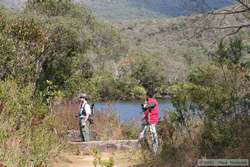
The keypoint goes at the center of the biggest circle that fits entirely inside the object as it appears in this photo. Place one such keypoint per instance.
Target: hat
(83, 95)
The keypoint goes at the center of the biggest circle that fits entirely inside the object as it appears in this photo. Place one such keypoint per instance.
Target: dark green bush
(27, 137)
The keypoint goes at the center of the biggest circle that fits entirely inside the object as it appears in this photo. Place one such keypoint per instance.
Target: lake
(129, 111)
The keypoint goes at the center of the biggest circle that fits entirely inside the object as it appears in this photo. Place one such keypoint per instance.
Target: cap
(83, 95)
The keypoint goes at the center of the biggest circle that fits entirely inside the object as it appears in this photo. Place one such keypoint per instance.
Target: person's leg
(81, 129)
(154, 134)
(143, 130)
(87, 131)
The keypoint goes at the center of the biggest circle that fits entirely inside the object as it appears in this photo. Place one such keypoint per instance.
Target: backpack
(91, 116)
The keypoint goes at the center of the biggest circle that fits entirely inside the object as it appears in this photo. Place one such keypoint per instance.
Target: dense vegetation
(94, 57)
(212, 110)
(53, 49)
(49, 49)
(62, 49)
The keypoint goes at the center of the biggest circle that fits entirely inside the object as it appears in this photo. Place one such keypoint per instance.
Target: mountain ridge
(130, 9)
(140, 9)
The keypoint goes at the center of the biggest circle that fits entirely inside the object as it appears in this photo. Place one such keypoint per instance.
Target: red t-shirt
(154, 114)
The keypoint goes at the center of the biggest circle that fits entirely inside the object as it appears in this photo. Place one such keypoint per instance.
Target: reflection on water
(131, 111)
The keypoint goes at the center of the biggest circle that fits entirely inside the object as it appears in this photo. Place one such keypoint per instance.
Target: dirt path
(124, 152)
(121, 159)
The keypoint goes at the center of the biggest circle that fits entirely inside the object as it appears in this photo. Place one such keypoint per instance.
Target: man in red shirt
(151, 118)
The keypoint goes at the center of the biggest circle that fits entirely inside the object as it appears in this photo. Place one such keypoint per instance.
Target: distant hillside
(179, 41)
(157, 35)
(176, 41)
(180, 7)
(138, 9)
(13, 4)
(119, 9)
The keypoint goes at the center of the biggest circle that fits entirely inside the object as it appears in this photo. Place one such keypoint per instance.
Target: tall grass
(182, 146)
(107, 125)
(27, 136)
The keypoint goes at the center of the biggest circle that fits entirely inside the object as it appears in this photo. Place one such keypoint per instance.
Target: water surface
(131, 111)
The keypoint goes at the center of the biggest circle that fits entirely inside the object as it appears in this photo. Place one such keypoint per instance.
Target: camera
(143, 108)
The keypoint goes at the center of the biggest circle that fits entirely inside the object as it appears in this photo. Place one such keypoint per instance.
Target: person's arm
(88, 112)
(80, 114)
(149, 106)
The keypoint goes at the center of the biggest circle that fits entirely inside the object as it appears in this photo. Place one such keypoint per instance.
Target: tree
(147, 73)
(220, 91)
(240, 10)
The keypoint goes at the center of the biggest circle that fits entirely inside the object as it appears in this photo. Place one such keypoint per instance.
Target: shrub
(210, 108)
(107, 125)
(27, 137)
(130, 130)
(98, 160)
(50, 7)
(138, 92)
